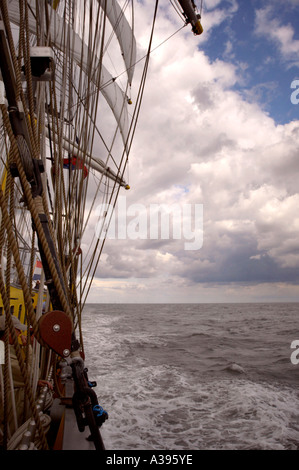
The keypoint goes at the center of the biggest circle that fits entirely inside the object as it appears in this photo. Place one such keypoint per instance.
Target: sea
(195, 376)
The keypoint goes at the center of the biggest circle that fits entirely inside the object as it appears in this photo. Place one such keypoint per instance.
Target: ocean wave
(194, 387)
(235, 368)
(163, 410)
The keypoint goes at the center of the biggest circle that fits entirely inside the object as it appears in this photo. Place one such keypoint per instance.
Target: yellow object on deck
(17, 303)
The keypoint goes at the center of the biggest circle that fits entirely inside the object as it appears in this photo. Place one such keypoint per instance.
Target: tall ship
(67, 123)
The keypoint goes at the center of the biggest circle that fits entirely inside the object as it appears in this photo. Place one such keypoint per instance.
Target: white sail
(124, 34)
(83, 56)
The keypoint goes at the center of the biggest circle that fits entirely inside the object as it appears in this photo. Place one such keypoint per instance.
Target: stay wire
(143, 57)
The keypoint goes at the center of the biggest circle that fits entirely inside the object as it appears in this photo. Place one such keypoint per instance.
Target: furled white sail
(123, 32)
(85, 58)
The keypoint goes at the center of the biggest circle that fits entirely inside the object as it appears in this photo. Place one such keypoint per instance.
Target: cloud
(282, 35)
(199, 141)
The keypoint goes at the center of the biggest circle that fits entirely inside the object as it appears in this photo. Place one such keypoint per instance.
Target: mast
(65, 88)
(32, 168)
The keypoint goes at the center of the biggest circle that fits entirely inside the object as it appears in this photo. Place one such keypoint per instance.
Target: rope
(30, 202)
(16, 345)
(16, 439)
(32, 205)
(201, 7)
(19, 267)
(5, 18)
(29, 76)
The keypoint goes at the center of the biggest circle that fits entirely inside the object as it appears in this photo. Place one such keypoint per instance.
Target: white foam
(235, 368)
(164, 405)
(158, 408)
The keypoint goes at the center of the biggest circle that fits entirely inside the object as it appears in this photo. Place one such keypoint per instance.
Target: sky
(218, 133)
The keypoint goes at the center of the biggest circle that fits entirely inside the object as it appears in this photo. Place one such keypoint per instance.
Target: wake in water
(157, 408)
(162, 392)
